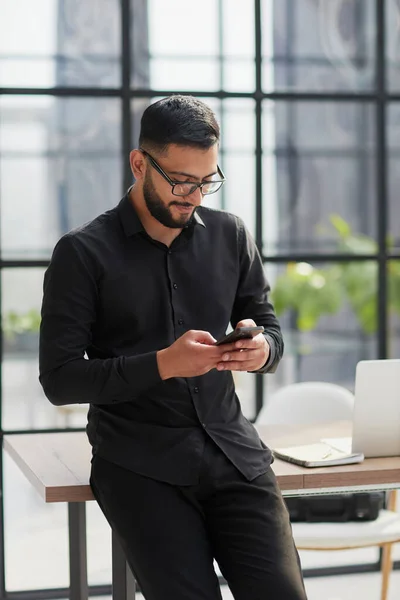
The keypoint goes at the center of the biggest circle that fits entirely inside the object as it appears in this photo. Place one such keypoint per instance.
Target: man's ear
(138, 164)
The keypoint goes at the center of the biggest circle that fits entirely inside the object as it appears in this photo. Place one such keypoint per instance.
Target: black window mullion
(381, 191)
(126, 121)
(148, 92)
(60, 92)
(258, 121)
(259, 384)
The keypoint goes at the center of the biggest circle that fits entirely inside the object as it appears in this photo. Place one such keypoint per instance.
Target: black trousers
(171, 534)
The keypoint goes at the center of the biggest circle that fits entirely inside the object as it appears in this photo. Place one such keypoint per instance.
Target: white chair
(317, 402)
(306, 403)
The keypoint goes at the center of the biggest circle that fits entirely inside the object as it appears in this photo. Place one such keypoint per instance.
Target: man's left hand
(246, 355)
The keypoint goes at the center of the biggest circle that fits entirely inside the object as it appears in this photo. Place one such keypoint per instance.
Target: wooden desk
(58, 466)
(371, 474)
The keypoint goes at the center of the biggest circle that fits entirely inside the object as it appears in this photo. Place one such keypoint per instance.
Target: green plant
(17, 323)
(312, 292)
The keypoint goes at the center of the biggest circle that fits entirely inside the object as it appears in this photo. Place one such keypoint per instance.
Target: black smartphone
(240, 333)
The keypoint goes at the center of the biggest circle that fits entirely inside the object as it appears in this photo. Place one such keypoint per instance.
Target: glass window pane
(240, 187)
(212, 58)
(245, 385)
(318, 46)
(60, 163)
(393, 267)
(139, 44)
(172, 26)
(238, 75)
(392, 14)
(393, 131)
(238, 130)
(238, 66)
(318, 177)
(328, 314)
(36, 535)
(201, 74)
(24, 403)
(238, 24)
(67, 43)
(216, 200)
(98, 534)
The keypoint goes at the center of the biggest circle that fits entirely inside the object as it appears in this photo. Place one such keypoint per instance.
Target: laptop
(376, 417)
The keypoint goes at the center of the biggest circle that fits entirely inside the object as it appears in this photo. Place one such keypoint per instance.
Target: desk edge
(25, 469)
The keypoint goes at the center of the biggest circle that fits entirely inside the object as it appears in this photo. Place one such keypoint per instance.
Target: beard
(161, 211)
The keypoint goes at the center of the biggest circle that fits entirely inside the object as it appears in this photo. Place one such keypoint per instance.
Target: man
(145, 290)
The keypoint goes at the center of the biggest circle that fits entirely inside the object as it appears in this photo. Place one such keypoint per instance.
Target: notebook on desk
(324, 453)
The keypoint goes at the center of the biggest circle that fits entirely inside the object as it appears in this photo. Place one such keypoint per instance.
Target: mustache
(185, 204)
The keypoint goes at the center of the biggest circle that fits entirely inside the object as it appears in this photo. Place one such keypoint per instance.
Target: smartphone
(240, 333)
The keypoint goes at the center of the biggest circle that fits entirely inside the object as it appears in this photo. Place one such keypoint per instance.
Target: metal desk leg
(77, 551)
(123, 582)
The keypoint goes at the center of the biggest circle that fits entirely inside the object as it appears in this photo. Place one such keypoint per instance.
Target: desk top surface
(58, 464)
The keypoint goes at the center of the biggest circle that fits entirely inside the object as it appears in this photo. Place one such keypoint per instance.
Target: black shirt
(113, 297)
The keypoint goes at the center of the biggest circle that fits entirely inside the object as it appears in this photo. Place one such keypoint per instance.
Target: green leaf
(358, 244)
(312, 293)
(307, 321)
(14, 323)
(394, 285)
(341, 226)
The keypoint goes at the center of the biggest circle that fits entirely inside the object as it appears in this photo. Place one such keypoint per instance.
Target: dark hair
(181, 120)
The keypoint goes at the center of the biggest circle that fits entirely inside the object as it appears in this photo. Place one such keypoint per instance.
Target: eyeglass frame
(173, 183)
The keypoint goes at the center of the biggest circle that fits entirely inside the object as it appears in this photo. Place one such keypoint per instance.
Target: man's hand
(246, 355)
(194, 353)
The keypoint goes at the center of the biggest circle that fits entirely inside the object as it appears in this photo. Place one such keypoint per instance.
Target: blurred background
(307, 93)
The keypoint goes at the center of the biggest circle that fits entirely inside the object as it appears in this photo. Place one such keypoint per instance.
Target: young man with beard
(145, 290)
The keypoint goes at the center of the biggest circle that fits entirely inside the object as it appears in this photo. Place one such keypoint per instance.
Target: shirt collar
(130, 221)
(198, 219)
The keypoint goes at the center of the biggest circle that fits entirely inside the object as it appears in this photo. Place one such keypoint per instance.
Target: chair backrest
(307, 402)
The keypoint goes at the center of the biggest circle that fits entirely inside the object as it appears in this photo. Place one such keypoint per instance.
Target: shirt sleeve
(69, 312)
(252, 298)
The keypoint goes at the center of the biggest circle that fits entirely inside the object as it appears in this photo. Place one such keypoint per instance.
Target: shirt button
(204, 425)
(180, 322)
(169, 251)
(196, 390)
(175, 286)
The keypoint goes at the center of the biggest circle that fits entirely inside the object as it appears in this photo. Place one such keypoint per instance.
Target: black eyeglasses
(185, 188)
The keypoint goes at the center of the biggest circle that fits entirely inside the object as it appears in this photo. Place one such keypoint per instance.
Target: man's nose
(196, 197)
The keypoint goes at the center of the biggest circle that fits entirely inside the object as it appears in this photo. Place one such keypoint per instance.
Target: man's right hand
(194, 353)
